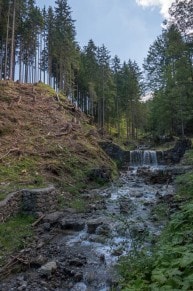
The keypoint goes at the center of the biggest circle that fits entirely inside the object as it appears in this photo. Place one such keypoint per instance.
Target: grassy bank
(15, 234)
(169, 264)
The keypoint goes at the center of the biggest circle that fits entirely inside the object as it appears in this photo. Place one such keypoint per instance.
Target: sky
(126, 27)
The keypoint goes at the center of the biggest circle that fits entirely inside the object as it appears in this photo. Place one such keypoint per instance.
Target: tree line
(169, 69)
(40, 45)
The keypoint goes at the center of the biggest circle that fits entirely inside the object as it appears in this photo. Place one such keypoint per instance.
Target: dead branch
(60, 134)
(10, 151)
(19, 100)
(38, 220)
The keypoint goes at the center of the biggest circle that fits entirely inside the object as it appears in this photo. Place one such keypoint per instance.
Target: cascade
(143, 158)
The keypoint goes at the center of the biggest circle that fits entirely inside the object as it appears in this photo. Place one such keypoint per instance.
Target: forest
(109, 91)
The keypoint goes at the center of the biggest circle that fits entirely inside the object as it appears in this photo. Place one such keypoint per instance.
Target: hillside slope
(45, 139)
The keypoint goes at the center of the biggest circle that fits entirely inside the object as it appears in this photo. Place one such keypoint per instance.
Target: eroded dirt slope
(45, 139)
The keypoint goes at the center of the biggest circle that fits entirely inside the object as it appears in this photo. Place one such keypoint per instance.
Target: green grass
(17, 173)
(14, 235)
(188, 158)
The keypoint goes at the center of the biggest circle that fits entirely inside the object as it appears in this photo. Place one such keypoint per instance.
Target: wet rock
(72, 224)
(46, 226)
(103, 229)
(22, 287)
(97, 238)
(126, 205)
(93, 224)
(148, 203)
(48, 269)
(79, 287)
(117, 252)
(78, 276)
(77, 262)
(154, 218)
(138, 229)
(136, 194)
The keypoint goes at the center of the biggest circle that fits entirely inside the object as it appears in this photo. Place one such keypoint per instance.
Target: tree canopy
(40, 45)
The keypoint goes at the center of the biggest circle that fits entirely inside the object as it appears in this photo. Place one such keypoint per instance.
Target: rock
(103, 229)
(72, 224)
(136, 194)
(48, 269)
(38, 261)
(79, 287)
(53, 217)
(126, 205)
(116, 153)
(78, 276)
(77, 262)
(117, 252)
(46, 226)
(174, 155)
(101, 175)
(40, 244)
(93, 224)
(97, 238)
(22, 287)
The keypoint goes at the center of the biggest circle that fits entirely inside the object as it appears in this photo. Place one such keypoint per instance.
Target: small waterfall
(143, 158)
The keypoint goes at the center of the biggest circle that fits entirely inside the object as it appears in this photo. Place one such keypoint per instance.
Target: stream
(126, 222)
(78, 251)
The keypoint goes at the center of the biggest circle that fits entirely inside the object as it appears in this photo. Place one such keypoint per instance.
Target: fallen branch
(6, 270)
(10, 151)
(19, 100)
(38, 220)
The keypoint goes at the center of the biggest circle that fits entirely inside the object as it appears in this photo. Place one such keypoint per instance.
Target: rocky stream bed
(77, 251)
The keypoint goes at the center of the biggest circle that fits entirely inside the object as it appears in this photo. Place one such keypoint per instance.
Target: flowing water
(125, 222)
(143, 158)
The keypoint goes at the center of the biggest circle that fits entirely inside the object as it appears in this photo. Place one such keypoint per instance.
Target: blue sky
(126, 27)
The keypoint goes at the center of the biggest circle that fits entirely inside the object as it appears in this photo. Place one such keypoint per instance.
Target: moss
(47, 88)
(188, 158)
(185, 186)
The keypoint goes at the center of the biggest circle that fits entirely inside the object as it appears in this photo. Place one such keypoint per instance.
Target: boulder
(48, 269)
(72, 224)
(93, 224)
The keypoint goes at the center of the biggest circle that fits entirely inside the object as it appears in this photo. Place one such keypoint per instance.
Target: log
(38, 220)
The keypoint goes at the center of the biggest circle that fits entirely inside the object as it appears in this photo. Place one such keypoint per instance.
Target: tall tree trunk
(12, 57)
(7, 42)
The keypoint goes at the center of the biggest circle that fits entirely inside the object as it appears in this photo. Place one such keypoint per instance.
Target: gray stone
(53, 217)
(79, 287)
(48, 269)
(93, 224)
(72, 224)
(103, 229)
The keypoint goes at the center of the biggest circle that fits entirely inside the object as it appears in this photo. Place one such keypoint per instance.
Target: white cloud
(163, 4)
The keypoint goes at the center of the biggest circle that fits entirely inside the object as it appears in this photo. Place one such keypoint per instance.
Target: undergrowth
(169, 264)
(14, 235)
(16, 173)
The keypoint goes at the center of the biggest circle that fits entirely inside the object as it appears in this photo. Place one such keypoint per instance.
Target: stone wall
(120, 156)
(29, 201)
(174, 155)
(11, 205)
